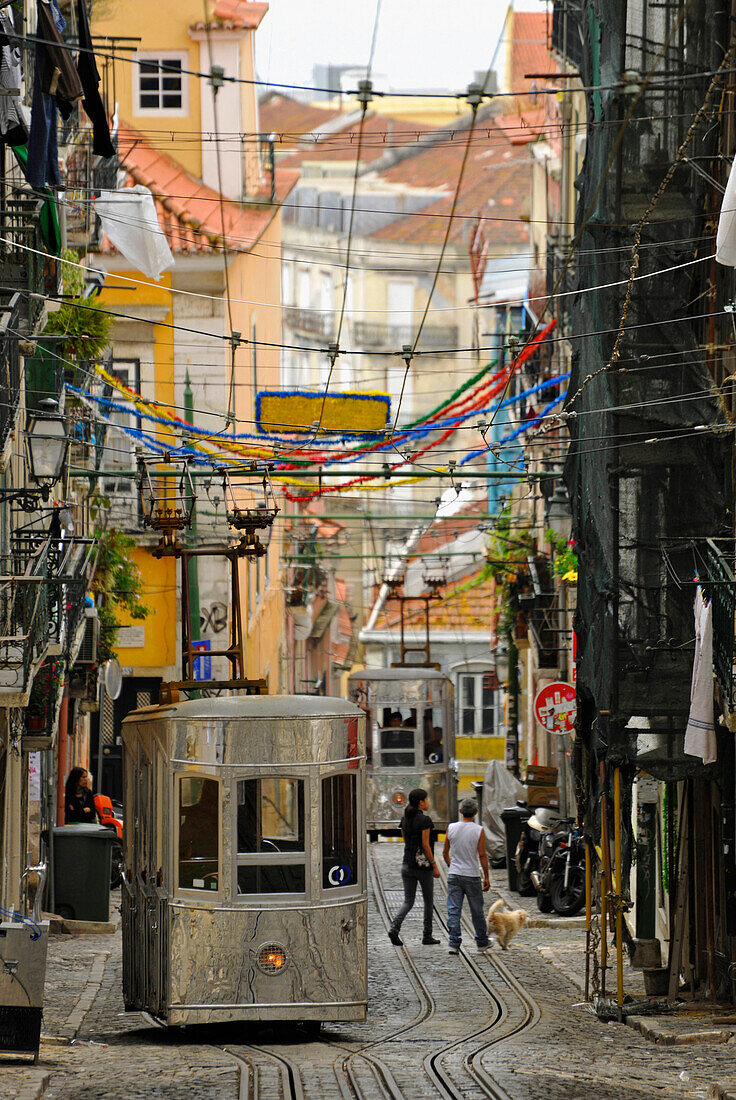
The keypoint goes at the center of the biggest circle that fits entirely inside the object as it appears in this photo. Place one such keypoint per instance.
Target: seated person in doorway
(79, 805)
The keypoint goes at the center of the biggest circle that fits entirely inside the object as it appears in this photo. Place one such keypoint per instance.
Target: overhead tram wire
(364, 95)
(603, 176)
(216, 76)
(662, 82)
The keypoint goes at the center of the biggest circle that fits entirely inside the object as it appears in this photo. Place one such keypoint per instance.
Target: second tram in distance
(410, 742)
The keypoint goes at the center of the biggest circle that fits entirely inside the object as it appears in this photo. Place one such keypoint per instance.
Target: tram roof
(255, 706)
(406, 672)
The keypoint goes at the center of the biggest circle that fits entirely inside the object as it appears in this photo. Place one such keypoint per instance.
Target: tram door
(143, 943)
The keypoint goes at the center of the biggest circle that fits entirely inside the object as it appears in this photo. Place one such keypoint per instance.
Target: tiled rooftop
(190, 213)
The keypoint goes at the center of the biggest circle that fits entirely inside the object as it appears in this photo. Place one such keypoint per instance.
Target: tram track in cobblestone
(360, 1073)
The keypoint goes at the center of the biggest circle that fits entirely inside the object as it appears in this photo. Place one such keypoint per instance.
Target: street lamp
(557, 512)
(47, 443)
(502, 663)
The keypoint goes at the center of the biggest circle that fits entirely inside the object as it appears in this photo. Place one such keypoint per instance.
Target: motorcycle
(542, 822)
(554, 828)
(567, 874)
(111, 815)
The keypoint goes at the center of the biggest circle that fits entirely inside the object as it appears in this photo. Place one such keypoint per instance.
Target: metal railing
(393, 337)
(310, 322)
(25, 266)
(68, 566)
(9, 368)
(24, 617)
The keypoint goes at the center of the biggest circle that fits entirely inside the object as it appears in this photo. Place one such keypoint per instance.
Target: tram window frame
(380, 752)
(198, 891)
(292, 858)
(328, 887)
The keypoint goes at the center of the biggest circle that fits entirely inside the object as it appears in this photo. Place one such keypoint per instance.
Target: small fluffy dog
(505, 925)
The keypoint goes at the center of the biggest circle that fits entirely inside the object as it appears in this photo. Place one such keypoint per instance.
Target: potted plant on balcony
(47, 684)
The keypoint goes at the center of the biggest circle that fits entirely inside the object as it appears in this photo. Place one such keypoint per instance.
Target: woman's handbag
(421, 859)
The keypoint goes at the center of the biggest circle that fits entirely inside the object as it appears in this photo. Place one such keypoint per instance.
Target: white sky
(429, 44)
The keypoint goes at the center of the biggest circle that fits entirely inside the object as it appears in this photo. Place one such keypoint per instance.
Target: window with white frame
(161, 83)
(477, 697)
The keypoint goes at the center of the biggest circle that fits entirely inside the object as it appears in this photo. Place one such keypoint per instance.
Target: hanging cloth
(700, 736)
(49, 216)
(15, 118)
(90, 80)
(56, 87)
(130, 222)
(726, 236)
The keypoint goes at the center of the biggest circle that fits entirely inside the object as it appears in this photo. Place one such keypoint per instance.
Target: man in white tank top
(465, 853)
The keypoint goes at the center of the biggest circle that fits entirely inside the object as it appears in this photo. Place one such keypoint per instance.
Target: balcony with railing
(310, 322)
(393, 337)
(24, 620)
(26, 268)
(9, 368)
(566, 37)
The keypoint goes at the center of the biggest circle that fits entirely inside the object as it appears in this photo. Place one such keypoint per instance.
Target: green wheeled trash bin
(512, 818)
(81, 869)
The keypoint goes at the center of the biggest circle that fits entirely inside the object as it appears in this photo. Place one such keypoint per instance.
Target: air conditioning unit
(88, 648)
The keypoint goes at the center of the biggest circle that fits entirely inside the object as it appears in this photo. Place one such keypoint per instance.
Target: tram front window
(339, 832)
(396, 736)
(270, 827)
(199, 833)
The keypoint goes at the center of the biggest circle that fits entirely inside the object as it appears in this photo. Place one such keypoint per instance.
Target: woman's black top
(80, 808)
(413, 840)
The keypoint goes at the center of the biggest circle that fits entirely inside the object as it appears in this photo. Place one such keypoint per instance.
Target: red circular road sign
(555, 707)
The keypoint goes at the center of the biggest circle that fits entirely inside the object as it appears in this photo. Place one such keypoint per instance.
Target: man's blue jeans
(459, 887)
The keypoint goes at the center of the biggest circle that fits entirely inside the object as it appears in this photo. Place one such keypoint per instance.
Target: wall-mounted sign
(555, 707)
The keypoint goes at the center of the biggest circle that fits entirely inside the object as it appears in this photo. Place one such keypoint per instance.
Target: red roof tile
(189, 211)
(380, 134)
(233, 15)
(289, 120)
(529, 52)
(497, 177)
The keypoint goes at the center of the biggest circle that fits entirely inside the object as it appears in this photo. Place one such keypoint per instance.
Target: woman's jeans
(410, 880)
(459, 887)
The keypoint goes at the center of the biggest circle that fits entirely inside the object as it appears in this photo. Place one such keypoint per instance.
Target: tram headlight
(398, 798)
(272, 958)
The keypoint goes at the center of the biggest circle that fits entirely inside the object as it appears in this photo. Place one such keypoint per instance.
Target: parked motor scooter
(567, 874)
(533, 830)
(553, 827)
(112, 816)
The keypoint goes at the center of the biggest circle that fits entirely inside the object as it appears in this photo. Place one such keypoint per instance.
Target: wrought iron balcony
(25, 266)
(310, 322)
(9, 368)
(566, 31)
(24, 618)
(68, 563)
(393, 337)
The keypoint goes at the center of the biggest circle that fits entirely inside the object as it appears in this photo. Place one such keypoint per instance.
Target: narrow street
(503, 1025)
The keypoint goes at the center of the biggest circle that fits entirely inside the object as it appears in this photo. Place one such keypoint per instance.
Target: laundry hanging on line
(130, 223)
(700, 736)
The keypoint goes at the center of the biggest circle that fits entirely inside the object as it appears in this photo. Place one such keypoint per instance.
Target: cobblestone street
(507, 1025)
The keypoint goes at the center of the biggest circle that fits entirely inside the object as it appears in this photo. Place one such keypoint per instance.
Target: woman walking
(418, 866)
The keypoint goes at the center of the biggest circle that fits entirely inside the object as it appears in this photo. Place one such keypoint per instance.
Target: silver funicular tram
(244, 895)
(410, 714)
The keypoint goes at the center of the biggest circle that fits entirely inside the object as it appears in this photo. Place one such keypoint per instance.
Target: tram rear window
(199, 833)
(396, 736)
(339, 832)
(270, 815)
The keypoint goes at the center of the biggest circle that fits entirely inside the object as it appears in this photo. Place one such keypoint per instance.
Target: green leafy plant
(508, 549)
(117, 586)
(565, 558)
(86, 327)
